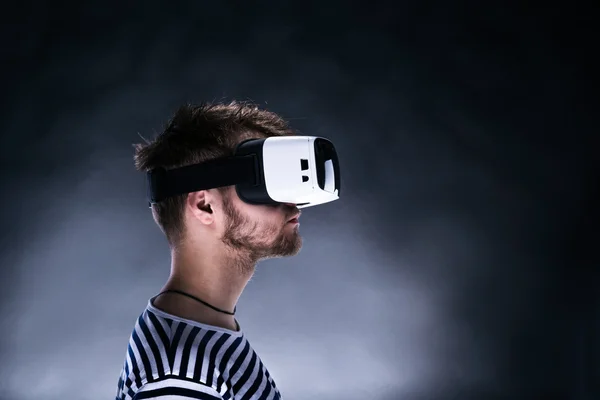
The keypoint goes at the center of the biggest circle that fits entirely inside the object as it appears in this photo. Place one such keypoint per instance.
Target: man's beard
(247, 239)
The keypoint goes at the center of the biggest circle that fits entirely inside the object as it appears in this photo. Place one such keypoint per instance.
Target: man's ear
(199, 204)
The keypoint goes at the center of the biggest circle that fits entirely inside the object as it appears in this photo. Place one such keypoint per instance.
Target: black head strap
(207, 175)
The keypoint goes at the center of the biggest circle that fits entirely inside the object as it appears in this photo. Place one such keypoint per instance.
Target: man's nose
(290, 208)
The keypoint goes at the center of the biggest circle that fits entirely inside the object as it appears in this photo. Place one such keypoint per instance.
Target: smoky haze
(460, 261)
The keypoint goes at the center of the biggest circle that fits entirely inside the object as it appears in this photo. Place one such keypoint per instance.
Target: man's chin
(290, 249)
(295, 248)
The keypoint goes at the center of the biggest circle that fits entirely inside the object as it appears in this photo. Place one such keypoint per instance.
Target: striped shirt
(174, 358)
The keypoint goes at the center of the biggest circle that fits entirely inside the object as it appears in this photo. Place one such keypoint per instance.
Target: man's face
(262, 231)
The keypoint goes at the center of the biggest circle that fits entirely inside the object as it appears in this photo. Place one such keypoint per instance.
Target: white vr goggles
(300, 170)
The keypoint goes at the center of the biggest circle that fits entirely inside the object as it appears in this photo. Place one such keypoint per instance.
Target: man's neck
(213, 275)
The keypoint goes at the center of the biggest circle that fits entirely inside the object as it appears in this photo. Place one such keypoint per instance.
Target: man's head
(197, 133)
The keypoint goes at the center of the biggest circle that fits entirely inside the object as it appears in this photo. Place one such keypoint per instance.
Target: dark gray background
(459, 263)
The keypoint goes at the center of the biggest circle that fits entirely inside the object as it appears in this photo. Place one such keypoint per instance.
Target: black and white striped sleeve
(176, 389)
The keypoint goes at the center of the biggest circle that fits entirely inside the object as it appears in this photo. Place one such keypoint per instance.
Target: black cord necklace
(197, 299)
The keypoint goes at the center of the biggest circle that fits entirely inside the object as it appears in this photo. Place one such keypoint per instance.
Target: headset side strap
(211, 174)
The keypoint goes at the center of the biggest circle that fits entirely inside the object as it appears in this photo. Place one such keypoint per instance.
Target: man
(187, 344)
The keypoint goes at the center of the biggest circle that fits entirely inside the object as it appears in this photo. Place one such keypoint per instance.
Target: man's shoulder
(177, 352)
(177, 344)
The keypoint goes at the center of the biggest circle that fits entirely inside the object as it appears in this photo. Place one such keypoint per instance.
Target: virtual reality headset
(299, 170)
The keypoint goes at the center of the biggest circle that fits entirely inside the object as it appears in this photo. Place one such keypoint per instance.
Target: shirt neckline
(164, 314)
